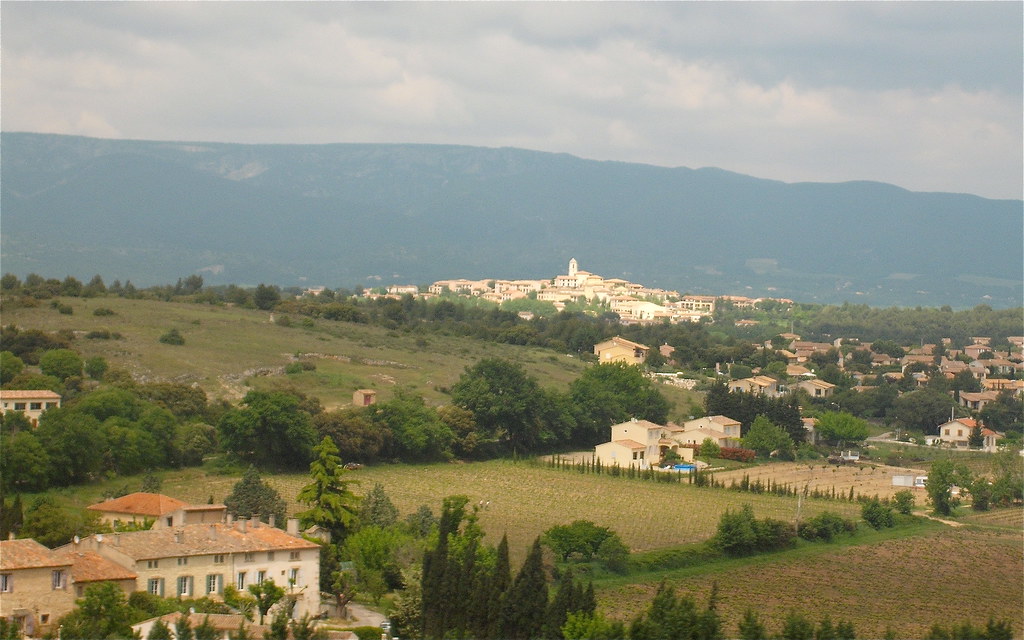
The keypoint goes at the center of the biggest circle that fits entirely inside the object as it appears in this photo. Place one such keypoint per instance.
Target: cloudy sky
(924, 95)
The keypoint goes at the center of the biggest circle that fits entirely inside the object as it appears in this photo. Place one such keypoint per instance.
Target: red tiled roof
(27, 554)
(203, 539)
(87, 566)
(630, 444)
(143, 504)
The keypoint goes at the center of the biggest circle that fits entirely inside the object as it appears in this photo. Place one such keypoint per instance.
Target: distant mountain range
(347, 214)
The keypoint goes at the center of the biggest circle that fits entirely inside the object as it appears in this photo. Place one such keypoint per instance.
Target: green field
(228, 350)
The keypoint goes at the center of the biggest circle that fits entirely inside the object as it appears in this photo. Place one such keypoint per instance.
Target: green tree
(60, 363)
(102, 613)
(608, 394)
(332, 505)
(377, 508)
(840, 428)
(710, 449)
(95, 367)
(183, 628)
(267, 594)
(10, 366)
(941, 478)
(24, 462)
(253, 497)
(159, 631)
(266, 297)
(924, 409)
(272, 430)
(974, 439)
(580, 539)
(502, 398)
(49, 524)
(765, 437)
(205, 630)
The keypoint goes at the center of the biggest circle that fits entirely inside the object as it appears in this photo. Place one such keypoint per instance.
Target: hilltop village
(634, 303)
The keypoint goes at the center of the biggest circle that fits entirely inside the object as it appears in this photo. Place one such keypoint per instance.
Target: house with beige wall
(641, 443)
(757, 384)
(816, 388)
(197, 560)
(31, 402)
(722, 429)
(620, 350)
(39, 585)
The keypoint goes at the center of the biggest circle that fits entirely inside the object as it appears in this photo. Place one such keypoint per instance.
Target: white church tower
(573, 267)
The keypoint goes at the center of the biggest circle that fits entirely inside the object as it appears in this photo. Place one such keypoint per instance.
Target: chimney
(255, 521)
(272, 521)
(242, 522)
(230, 519)
(293, 527)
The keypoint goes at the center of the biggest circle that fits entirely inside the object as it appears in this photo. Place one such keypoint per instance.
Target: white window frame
(6, 582)
(58, 579)
(155, 586)
(240, 581)
(215, 580)
(185, 584)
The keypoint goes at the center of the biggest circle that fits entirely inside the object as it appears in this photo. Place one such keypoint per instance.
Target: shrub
(367, 633)
(877, 515)
(740, 533)
(904, 501)
(98, 334)
(825, 526)
(173, 336)
(737, 453)
(102, 311)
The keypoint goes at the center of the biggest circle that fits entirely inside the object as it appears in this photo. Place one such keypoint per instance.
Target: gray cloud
(923, 95)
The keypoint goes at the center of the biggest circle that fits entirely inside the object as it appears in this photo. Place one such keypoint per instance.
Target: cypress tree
(501, 580)
(560, 606)
(522, 613)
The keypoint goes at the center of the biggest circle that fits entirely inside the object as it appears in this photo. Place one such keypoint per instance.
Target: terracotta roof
(15, 394)
(631, 444)
(205, 507)
(626, 343)
(26, 553)
(87, 566)
(723, 420)
(143, 504)
(202, 539)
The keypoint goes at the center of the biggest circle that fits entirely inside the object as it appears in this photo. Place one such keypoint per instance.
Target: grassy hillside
(229, 349)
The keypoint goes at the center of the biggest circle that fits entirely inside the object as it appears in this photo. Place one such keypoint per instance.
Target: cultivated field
(526, 499)
(865, 479)
(947, 575)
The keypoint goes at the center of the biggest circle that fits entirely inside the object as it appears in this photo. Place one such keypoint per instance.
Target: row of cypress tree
(468, 590)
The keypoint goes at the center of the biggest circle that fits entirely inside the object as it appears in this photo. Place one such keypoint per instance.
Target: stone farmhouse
(164, 511)
(196, 560)
(621, 350)
(39, 585)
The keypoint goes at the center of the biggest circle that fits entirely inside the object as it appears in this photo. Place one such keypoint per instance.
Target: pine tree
(522, 613)
(377, 508)
(183, 628)
(159, 631)
(332, 505)
(253, 497)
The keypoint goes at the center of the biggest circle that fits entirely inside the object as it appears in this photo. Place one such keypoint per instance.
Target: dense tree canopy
(271, 430)
(503, 399)
(608, 394)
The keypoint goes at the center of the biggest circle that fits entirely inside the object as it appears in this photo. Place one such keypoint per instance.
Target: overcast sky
(923, 95)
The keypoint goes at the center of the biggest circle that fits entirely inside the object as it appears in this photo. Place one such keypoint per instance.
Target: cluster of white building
(633, 302)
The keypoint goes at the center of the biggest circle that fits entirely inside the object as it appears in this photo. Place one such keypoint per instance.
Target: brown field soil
(903, 585)
(866, 479)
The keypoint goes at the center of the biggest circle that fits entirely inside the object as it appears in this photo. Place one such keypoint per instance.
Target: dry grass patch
(866, 479)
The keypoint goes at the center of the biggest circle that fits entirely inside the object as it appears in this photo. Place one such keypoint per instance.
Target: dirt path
(364, 616)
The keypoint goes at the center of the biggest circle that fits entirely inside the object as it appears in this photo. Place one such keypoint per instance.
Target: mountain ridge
(344, 214)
